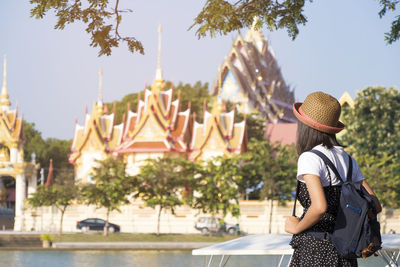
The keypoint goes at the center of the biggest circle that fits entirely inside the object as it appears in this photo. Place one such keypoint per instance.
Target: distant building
(251, 78)
(284, 133)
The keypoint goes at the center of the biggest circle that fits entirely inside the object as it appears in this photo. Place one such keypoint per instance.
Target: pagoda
(13, 169)
(252, 79)
(157, 128)
(94, 139)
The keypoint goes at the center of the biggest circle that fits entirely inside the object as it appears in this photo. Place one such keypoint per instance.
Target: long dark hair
(307, 138)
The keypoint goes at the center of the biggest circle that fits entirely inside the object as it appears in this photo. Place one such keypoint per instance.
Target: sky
(53, 74)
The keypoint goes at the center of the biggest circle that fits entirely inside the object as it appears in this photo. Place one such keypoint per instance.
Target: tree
(103, 18)
(383, 175)
(61, 194)
(196, 94)
(372, 136)
(110, 188)
(162, 182)
(373, 125)
(223, 17)
(51, 148)
(275, 167)
(34, 142)
(217, 188)
(255, 125)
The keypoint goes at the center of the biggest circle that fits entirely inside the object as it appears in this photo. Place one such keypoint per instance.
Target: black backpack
(357, 231)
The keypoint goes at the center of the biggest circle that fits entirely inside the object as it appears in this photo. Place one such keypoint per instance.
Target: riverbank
(116, 241)
(128, 237)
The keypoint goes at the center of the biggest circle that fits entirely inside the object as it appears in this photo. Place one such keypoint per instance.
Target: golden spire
(255, 35)
(218, 105)
(219, 81)
(99, 104)
(4, 101)
(158, 82)
(100, 97)
(159, 71)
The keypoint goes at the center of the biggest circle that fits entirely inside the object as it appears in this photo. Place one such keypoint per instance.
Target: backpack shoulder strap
(327, 162)
(350, 171)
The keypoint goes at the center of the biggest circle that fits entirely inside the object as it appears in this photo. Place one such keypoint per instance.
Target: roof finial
(4, 74)
(219, 80)
(255, 34)
(159, 71)
(219, 85)
(4, 101)
(100, 97)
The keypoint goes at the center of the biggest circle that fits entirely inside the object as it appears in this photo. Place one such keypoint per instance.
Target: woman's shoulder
(308, 156)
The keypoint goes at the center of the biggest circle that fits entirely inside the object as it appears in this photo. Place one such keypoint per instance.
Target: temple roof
(98, 133)
(218, 134)
(251, 71)
(157, 124)
(11, 125)
(346, 99)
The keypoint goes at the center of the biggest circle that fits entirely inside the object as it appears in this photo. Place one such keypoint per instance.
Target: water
(138, 258)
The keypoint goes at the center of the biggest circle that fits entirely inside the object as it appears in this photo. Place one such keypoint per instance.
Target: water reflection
(137, 258)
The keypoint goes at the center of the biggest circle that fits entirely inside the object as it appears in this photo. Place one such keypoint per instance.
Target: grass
(124, 237)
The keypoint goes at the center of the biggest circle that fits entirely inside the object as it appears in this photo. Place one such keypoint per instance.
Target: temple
(252, 79)
(158, 128)
(18, 178)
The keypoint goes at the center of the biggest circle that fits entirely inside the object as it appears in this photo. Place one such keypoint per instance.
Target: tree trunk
(158, 221)
(270, 215)
(106, 226)
(61, 220)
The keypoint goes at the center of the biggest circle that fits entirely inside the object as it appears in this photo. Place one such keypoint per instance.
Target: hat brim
(313, 124)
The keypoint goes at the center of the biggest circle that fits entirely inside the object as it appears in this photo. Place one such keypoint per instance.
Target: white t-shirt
(310, 163)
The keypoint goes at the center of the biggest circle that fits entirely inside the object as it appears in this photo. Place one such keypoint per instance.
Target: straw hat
(320, 111)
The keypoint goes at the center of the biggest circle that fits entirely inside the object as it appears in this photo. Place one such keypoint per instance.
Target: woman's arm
(314, 213)
(375, 199)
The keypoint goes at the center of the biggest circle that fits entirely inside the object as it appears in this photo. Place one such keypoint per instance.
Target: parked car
(96, 224)
(215, 225)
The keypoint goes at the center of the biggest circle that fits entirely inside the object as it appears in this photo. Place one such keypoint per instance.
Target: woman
(319, 190)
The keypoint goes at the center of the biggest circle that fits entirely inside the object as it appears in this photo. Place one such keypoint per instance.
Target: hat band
(316, 124)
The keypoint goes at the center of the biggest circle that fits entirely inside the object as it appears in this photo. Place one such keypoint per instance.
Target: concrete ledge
(131, 245)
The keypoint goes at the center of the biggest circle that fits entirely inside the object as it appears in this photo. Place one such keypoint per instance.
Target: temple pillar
(13, 154)
(20, 191)
(32, 183)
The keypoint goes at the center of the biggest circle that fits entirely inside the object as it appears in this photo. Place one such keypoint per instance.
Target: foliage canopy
(163, 182)
(372, 135)
(110, 188)
(103, 18)
(373, 125)
(61, 194)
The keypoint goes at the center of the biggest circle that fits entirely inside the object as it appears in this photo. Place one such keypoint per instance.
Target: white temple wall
(136, 218)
